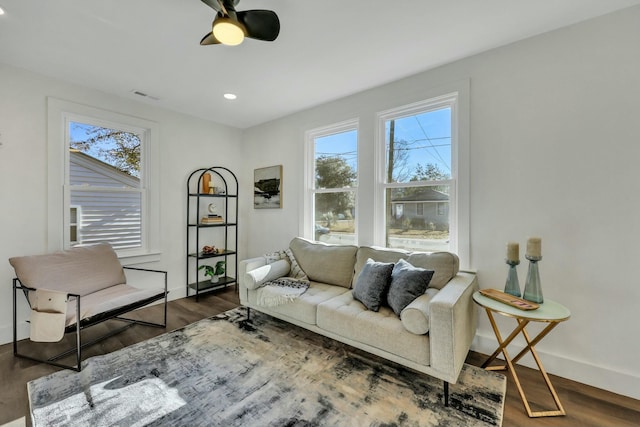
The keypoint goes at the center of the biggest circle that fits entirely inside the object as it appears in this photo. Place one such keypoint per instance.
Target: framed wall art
(267, 187)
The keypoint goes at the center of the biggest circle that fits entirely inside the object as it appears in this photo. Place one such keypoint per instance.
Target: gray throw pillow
(372, 284)
(407, 283)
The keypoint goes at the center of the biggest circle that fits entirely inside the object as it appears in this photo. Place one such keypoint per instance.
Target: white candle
(513, 252)
(534, 247)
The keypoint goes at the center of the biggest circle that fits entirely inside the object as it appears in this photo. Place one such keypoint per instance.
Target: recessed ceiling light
(230, 95)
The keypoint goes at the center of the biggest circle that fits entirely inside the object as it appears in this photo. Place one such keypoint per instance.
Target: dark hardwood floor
(585, 405)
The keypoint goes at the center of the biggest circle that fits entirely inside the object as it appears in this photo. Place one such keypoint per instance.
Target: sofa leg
(446, 393)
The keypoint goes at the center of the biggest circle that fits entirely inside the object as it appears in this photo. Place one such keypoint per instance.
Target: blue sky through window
(343, 144)
(426, 137)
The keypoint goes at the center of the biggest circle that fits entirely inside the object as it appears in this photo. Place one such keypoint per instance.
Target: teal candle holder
(512, 285)
(532, 287)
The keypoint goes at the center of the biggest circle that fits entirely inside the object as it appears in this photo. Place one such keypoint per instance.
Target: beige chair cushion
(331, 264)
(81, 270)
(108, 299)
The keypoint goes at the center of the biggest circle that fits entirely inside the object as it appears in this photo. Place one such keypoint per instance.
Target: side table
(549, 312)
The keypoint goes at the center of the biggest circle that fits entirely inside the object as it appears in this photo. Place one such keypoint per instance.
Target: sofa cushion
(444, 264)
(305, 306)
(415, 316)
(257, 277)
(331, 264)
(81, 270)
(349, 318)
(407, 283)
(376, 254)
(372, 284)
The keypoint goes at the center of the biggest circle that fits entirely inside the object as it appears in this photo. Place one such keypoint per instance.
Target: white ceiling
(327, 49)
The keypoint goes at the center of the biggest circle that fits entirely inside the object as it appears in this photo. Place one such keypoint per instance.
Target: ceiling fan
(230, 27)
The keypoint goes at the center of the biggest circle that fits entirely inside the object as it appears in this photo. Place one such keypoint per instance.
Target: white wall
(186, 143)
(555, 145)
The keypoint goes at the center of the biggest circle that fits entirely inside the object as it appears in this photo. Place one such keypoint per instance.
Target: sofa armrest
(244, 266)
(453, 323)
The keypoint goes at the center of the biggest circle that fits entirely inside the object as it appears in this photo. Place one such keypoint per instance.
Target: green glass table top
(549, 311)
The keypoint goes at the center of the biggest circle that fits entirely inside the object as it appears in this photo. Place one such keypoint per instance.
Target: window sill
(138, 257)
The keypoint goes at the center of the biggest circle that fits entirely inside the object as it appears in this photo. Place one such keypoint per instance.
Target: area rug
(226, 371)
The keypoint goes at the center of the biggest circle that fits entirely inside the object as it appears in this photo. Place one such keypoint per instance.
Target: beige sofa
(433, 333)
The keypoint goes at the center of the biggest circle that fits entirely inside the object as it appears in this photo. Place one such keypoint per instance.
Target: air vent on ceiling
(145, 95)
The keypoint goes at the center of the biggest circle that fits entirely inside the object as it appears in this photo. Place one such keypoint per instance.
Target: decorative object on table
(215, 272)
(208, 250)
(509, 299)
(214, 372)
(532, 287)
(512, 285)
(206, 180)
(267, 187)
(212, 219)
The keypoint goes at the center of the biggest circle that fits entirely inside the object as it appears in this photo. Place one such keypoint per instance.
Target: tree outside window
(105, 190)
(418, 177)
(334, 189)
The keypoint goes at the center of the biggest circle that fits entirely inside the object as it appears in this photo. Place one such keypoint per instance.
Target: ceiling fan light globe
(228, 31)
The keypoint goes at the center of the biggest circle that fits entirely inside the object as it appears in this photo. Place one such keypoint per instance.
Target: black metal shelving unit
(200, 234)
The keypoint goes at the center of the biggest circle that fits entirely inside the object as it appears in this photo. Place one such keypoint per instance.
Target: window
(332, 183)
(73, 225)
(104, 163)
(104, 180)
(418, 175)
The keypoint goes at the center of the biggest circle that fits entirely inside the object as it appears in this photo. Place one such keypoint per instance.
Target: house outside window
(419, 172)
(104, 180)
(332, 183)
(104, 162)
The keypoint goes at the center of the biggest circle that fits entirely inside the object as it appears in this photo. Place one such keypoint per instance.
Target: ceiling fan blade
(215, 5)
(209, 39)
(260, 24)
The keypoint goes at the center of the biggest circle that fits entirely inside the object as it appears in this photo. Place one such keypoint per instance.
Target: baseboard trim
(602, 377)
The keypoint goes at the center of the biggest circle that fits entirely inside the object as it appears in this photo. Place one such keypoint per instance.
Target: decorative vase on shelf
(532, 288)
(512, 285)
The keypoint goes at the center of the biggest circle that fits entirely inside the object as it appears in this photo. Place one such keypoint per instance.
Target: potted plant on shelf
(214, 271)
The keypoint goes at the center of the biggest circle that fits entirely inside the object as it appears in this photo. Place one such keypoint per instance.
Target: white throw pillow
(259, 276)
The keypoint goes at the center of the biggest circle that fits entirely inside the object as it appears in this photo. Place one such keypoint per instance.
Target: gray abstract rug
(225, 371)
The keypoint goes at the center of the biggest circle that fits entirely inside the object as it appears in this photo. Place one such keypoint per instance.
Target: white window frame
(60, 114)
(458, 101)
(75, 224)
(307, 223)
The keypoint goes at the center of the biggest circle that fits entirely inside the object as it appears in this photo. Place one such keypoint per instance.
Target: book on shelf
(212, 220)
